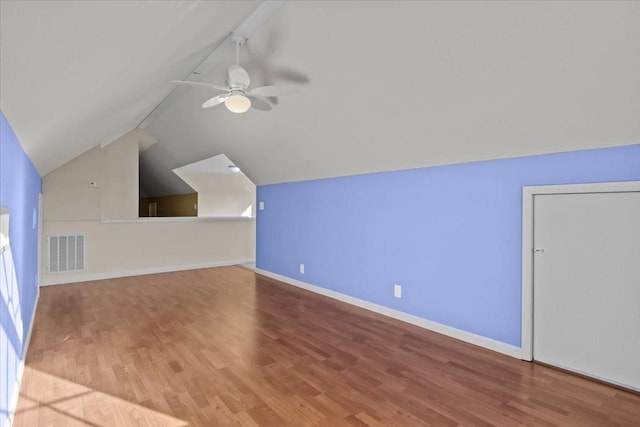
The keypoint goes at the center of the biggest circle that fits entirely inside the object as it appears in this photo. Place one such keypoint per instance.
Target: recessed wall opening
(162, 194)
(169, 205)
(218, 187)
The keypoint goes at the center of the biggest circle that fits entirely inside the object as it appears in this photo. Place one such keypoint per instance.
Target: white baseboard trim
(141, 272)
(491, 344)
(13, 403)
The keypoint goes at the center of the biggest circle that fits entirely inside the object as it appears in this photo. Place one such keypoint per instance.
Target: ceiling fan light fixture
(237, 103)
(237, 96)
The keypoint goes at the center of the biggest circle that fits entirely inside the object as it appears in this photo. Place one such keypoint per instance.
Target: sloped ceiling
(76, 74)
(391, 85)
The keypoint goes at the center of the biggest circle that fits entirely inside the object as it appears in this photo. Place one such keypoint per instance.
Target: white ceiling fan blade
(216, 87)
(238, 77)
(259, 103)
(274, 90)
(212, 102)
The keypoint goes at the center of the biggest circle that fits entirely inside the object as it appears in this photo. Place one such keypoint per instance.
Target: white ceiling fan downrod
(237, 101)
(238, 40)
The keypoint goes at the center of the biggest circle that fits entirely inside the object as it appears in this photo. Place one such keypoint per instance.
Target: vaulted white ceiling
(391, 85)
(76, 74)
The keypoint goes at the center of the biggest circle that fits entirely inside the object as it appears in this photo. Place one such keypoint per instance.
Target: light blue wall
(20, 186)
(450, 235)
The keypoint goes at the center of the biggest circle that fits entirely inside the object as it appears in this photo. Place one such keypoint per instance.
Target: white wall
(222, 194)
(66, 194)
(120, 170)
(149, 246)
(117, 242)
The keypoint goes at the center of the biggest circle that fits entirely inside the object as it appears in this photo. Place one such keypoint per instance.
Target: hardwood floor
(218, 347)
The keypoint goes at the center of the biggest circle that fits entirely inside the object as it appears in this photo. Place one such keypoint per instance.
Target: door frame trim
(528, 194)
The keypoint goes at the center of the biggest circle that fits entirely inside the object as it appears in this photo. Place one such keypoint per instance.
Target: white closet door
(586, 292)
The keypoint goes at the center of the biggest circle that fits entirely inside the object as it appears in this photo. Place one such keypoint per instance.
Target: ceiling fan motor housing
(238, 77)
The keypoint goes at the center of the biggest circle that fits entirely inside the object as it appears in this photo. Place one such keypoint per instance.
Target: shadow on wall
(11, 323)
(20, 188)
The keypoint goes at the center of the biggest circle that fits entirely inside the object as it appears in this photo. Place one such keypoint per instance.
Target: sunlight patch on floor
(48, 400)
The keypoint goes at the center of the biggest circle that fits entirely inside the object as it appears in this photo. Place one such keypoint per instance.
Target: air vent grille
(66, 253)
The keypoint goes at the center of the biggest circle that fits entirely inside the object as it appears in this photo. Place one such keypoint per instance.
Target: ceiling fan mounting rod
(238, 40)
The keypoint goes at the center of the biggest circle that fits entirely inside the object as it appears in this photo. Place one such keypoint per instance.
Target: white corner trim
(114, 275)
(595, 187)
(491, 344)
(528, 195)
(13, 403)
(526, 332)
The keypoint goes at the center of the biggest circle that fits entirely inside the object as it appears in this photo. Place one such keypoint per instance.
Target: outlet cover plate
(397, 291)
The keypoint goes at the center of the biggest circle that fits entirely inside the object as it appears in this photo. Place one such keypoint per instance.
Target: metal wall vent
(66, 253)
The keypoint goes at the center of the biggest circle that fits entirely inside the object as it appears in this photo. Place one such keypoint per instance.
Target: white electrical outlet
(397, 291)
(301, 268)
(260, 206)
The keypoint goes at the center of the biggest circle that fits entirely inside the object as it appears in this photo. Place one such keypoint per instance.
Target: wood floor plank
(226, 347)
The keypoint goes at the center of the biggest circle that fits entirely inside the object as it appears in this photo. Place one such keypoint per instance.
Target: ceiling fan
(237, 96)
